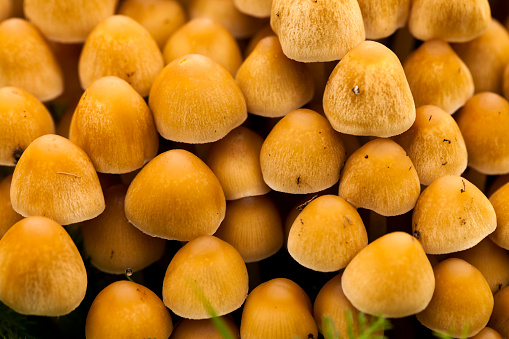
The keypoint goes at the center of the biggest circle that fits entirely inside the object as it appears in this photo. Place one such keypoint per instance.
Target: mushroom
(5, 9)
(487, 333)
(258, 8)
(263, 32)
(500, 203)
(499, 319)
(205, 328)
(8, 216)
(382, 18)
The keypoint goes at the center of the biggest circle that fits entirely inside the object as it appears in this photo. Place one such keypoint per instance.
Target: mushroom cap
(27, 62)
(307, 164)
(206, 274)
(500, 202)
(23, 119)
(312, 31)
(195, 100)
(68, 21)
(434, 144)
(121, 47)
(176, 197)
(383, 17)
(263, 32)
(41, 270)
(391, 277)
(487, 333)
(499, 320)
(274, 85)
(5, 9)
(462, 301)
(8, 216)
(368, 94)
(327, 234)
(484, 122)
(258, 8)
(114, 126)
(452, 215)
(126, 302)
(204, 328)
(56, 179)
(437, 76)
(379, 176)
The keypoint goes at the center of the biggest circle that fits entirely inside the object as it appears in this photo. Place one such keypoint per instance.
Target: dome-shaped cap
(257, 8)
(383, 17)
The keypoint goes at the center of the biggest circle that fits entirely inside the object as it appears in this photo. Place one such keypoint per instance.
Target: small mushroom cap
(499, 320)
(437, 76)
(55, 178)
(380, 177)
(434, 144)
(313, 31)
(195, 100)
(121, 47)
(383, 17)
(206, 37)
(206, 271)
(500, 202)
(278, 308)
(125, 309)
(68, 21)
(449, 20)
(204, 328)
(176, 197)
(23, 119)
(327, 234)
(487, 333)
(368, 94)
(41, 270)
(452, 215)
(8, 216)
(484, 122)
(462, 301)
(263, 32)
(274, 85)
(27, 62)
(258, 8)
(391, 277)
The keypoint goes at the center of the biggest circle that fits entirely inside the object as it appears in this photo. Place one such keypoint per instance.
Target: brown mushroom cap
(487, 333)
(383, 17)
(8, 216)
(462, 301)
(499, 320)
(126, 302)
(500, 202)
(41, 270)
(204, 328)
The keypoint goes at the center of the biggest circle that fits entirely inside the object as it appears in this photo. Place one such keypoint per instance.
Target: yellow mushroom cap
(41, 270)
(175, 196)
(274, 85)
(368, 93)
(499, 320)
(8, 216)
(462, 302)
(121, 47)
(125, 309)
(68, 21)
(204, 328)
(500, 202)
(327, 234)
(263, 32)
(5, 9)
(434, 144)
(23, 119)
(206, 272)
(114, 126)
(312, 31)
(379, 176)
(437, 76)
(27, 62)
(195, 100)
(278, 308)
(383, 17)
(391, 277)
(487, 333)
(56, 179)
(257, 8)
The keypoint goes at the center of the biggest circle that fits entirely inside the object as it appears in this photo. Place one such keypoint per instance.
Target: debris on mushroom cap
(8, 216)
(125, 302)
(204, 328)
(259, 8)
(499, 320)
(383, 17)
(41, 270)
(500, 202)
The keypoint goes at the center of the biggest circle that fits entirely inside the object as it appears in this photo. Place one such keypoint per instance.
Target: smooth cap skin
(56, 179)
(383, 17)
(274, 85)
(327, 234)
(462, 301)
(23, 119)
(302, 154)
(452, 215)
(500, 202)
(68, 21)
(499, 320)
(41, 270)
(128, 310)
(449, 20)
(6, 9)
(434, 144)
(368, 94)
(487, 333)
(263, 32)
(235, 160)
(195, 100)
(27, 62)
(114, 126)
(278, 308)
(176, 197)
(313, 31)
(437, 76)
(484, 122)
(380, 177)
(257, 8)
(121, 47)
(205, 328)
(206, 37)
(8, 215)
(206, 271)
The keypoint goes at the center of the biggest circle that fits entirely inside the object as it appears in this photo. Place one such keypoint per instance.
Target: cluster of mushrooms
(370, 153)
